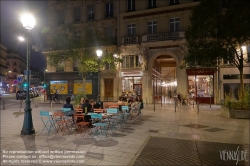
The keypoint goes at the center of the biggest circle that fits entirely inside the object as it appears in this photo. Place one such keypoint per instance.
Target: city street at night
(160, 137)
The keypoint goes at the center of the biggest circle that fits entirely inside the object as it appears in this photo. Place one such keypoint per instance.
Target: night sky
(11, 28)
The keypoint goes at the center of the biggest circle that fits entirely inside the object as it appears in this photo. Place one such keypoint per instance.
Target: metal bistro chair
(115, 118)
(99, 110)
(47, 121)
(100, 128)
(125, 110)
(81, 126)
(63, 124)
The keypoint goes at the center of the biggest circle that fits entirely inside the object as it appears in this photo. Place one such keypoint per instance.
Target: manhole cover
(153, 131)
(195, 126)
(214, 129)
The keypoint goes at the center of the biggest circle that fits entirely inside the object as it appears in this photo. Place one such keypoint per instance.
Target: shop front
(201, 85)
(132, 83)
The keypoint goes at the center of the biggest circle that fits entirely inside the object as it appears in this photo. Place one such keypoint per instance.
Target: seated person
(68, 105)
(94, 104)
(87, 105)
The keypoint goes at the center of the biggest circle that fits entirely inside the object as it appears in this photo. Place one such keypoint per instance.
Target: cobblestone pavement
(190, 133)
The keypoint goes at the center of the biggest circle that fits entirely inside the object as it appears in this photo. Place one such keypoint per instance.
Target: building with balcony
(152, 37)
(3, 68)
(16, 65)
(65, 78)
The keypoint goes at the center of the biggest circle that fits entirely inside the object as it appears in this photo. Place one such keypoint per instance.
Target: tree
(68, 45)
(217, 31)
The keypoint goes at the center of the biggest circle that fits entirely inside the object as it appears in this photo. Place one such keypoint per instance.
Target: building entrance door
(108, 89)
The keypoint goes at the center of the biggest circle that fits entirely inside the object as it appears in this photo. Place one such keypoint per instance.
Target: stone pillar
(181, 81)
(146, 87)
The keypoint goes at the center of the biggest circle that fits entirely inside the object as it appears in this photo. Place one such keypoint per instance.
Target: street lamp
(99, 54)
(44, 85)
(28, 22)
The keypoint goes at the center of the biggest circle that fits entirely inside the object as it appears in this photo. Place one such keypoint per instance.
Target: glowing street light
(28, 22)
(99, 55)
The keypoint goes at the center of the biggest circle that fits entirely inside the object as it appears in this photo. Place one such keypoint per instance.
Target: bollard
(210, 101)
(174, 105)
(198, 107)
(51, 105)
(36, 105)
(154, 104)
(21, 101)
(3, 105)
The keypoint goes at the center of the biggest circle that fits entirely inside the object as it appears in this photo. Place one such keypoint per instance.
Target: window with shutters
(174, 24)
(91, 12)
(60, 17)
(109, 10)
(151, 4)
(174, 2)
(130, 5)
(152, 27)
(130, 61)
(131, 30)
(77, 14)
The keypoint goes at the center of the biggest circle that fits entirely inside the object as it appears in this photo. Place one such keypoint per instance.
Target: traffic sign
(19, 79)
(15, 82)
(25, 72)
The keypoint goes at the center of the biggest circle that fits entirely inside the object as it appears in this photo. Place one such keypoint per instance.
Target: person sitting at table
(67, 104)
(82, 101)
(134, 106)
(120, 103)
(87, 105)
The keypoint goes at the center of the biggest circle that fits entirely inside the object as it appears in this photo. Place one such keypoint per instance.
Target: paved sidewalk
(124, 147)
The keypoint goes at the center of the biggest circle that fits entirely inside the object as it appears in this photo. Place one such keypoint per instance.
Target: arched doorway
(164, 80)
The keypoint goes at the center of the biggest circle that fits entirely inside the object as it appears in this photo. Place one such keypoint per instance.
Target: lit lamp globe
(99, 53)
(28, 21)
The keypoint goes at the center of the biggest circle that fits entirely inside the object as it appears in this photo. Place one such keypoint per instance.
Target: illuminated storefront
(201, 84)
(132, 82)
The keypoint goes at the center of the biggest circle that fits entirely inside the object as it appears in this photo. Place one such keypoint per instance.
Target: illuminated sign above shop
(131, 73)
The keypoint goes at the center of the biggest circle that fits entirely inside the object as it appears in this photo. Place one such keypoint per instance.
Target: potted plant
(237, 108)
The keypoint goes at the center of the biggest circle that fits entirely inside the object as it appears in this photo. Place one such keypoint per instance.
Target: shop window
(109, 10)
(200, 85)
(131, 30)
(131, 61)
(129, 83)
(152, 27)
(60, 87)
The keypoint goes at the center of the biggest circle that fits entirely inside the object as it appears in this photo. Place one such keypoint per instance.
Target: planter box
(242, 114)
(231, 113)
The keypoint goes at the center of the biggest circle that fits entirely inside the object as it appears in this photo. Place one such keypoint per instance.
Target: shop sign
(132, 73)
(200, 71)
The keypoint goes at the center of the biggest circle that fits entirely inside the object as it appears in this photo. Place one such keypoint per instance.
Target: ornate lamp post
(44, 86)
(28, 22)
(99, 54)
